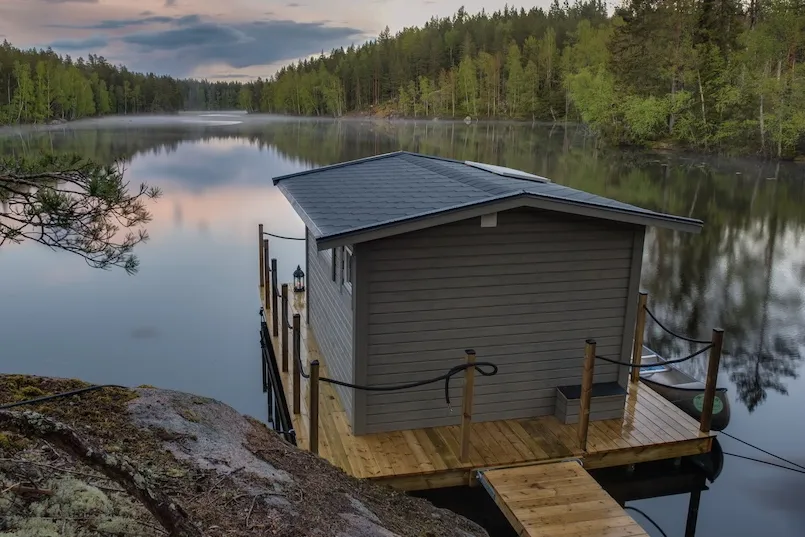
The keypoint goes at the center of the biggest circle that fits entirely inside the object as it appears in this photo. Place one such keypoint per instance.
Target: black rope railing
(491, 369)
(666, 362)
(671, 332)
(486, 369)
(283, 237)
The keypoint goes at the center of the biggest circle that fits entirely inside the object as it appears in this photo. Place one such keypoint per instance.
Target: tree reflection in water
(744, 272)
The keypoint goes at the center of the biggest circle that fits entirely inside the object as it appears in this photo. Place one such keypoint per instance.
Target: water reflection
(188, 320)
(745, 272)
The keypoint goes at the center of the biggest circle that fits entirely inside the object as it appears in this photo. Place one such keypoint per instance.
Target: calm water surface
(188, 319)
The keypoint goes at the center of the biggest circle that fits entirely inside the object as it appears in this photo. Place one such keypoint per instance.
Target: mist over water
(189, 319)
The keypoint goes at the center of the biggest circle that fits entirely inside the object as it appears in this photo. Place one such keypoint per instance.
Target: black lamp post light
(298, 280)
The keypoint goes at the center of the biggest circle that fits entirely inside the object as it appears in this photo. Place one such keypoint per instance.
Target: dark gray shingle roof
(384, 190)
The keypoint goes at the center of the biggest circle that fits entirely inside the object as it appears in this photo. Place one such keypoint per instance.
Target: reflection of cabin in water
(411, 259)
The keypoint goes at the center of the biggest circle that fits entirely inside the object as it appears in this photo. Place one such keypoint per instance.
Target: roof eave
(503, 203)
(309, 223)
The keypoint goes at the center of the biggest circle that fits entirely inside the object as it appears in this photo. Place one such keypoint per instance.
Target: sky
(214, 39)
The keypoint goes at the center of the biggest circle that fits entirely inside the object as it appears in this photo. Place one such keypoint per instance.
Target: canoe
(682, 390)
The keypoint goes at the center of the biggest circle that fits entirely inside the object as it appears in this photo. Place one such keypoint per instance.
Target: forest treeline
(714, 75)
(40, 86)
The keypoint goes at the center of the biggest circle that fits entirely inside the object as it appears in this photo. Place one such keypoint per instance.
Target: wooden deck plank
(652, 428)
(558, 500)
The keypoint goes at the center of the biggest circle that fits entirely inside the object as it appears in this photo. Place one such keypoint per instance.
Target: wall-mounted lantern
(298, 279)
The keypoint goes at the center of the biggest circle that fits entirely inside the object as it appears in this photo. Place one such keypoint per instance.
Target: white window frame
(346, 269)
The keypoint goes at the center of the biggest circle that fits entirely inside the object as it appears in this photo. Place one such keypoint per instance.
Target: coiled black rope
(668, 362)
(648, 518)
(283, 237)
(45, 398)
(680, 336)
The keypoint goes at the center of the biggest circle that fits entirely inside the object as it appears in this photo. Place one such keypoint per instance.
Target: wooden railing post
(466, 414)
(284, 327)
(586, 392)
(274, 311)
(266, 279)
(313, 434)
(639, 331)
(261, 258)
(717, 342)
(297, 359)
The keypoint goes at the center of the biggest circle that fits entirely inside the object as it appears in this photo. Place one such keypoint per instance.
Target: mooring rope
(46, 398)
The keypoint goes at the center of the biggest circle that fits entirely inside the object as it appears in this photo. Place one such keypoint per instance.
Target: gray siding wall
(525, 295)
(330, 314)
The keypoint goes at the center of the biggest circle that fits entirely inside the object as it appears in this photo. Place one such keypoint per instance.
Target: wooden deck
(651, 429)
(557, 499)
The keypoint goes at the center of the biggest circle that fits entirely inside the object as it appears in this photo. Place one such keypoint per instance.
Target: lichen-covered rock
(228, 474)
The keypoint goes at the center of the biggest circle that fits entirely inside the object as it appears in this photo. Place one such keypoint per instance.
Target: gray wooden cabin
(412, 259)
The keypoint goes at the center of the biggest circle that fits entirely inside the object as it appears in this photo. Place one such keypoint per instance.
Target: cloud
(229, 75)
(170, 3)
(69, 1)
(94, 42)
(196, 35)
(146, 13)
(117, 24)
(238, 45)
(293, 4)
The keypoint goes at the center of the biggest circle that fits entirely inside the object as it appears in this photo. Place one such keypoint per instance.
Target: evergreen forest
(40, 86)
(709, 75)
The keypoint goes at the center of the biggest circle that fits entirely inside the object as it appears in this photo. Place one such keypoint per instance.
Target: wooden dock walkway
(557, 500)
(651, 429)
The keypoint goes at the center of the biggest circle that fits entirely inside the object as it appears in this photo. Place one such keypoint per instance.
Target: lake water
(189, 319)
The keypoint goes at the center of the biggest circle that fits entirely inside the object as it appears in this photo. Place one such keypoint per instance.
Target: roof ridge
(452, 175)
(432, 157)
(370, 158)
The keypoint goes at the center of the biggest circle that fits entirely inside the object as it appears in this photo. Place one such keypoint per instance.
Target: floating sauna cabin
(412, 259)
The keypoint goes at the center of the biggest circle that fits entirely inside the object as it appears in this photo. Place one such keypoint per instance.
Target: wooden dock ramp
(557, 499)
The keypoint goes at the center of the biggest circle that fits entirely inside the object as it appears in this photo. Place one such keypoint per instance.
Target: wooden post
(693, 511)
(297, 359)
(313, 434)
(466, 415)
(266, 275)
(717, 341)
(261, 258)
(639, 330)
(284, 327)
(274, 311)
(586, 392)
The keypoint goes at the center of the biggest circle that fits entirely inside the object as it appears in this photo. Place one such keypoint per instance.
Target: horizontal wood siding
(331, 319)
(525, 295)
